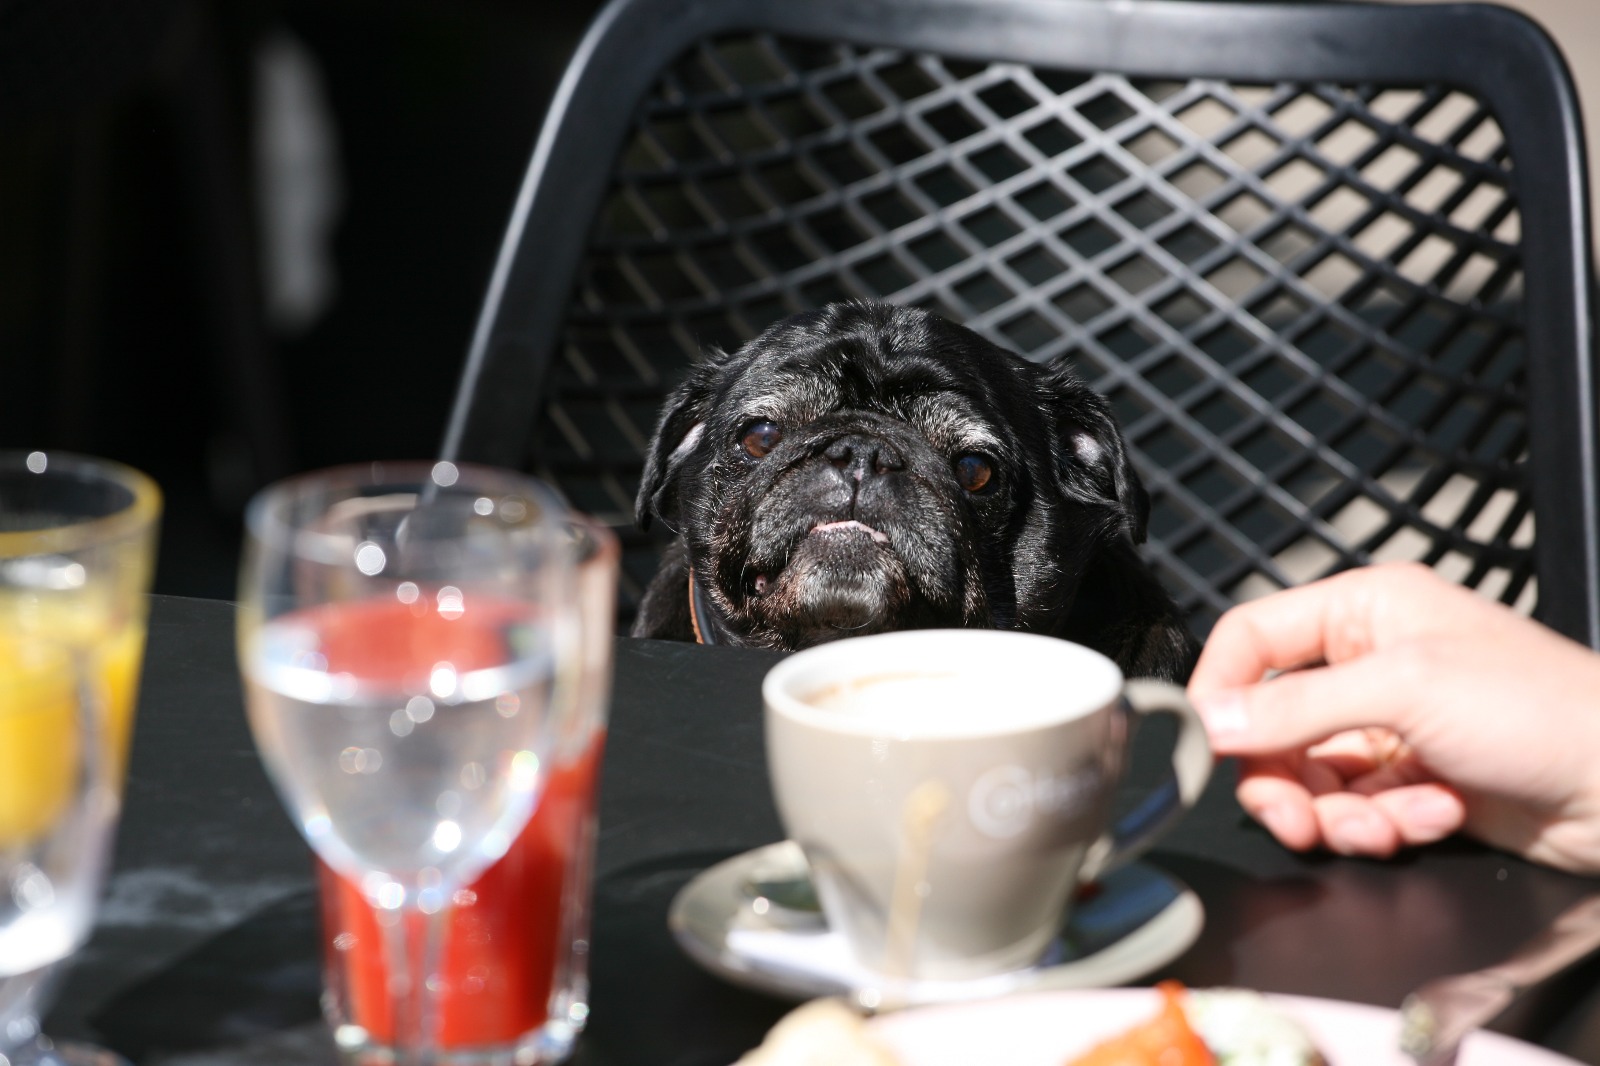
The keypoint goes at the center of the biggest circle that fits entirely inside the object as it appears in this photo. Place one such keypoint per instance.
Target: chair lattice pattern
(1302, 299)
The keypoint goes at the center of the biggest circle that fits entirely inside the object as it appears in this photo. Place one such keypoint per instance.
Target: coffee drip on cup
(920, 817)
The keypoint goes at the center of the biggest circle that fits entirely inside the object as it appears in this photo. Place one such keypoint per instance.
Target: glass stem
(413, 940)
(428, 1013)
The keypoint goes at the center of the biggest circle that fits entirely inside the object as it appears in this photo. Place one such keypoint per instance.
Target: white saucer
(1139, 919)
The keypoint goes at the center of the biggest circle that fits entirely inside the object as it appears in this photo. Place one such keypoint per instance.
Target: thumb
(1300, 708)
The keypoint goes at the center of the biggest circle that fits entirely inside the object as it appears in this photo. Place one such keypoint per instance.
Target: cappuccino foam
(955, 703)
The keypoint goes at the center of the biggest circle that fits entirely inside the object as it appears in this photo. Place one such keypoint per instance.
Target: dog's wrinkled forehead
(862, 359)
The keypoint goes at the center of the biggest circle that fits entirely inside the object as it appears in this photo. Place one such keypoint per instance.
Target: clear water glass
(512, 987)
(403, 632)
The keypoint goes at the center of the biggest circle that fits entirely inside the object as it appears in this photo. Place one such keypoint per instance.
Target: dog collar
(708, 628)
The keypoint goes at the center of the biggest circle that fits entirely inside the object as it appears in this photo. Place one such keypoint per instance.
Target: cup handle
(1173, 797)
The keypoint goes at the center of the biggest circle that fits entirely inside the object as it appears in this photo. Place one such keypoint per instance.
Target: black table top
(206, 945)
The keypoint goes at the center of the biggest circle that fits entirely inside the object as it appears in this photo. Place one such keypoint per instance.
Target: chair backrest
(1329, 262)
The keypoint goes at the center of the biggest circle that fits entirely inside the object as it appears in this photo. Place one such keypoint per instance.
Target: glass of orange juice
(77, 543)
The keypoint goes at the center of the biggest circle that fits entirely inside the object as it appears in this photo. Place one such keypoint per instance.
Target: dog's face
(865, 468)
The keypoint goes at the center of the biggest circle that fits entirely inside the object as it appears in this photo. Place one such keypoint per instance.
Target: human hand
(1409, 708)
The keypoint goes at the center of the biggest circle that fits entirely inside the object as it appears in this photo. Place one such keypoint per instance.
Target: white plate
(1140, 919)
(1050, 1028)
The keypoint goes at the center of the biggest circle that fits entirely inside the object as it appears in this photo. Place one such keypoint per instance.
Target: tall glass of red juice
(514, 975)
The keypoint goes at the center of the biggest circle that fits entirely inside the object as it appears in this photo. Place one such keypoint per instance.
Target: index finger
(1326, 621)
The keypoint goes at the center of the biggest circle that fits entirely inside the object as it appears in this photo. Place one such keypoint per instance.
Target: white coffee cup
(951, 789)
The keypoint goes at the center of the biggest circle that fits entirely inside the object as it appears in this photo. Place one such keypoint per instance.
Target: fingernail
(1432, 812)
(1223, 713)
(1357, 834)
(1277, 819)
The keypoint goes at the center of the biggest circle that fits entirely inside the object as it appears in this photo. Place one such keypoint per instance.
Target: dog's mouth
(844, 538)
(851, 526)
(840, 531)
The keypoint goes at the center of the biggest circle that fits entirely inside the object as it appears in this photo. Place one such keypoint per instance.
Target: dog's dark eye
(760, 438)
(973, 472)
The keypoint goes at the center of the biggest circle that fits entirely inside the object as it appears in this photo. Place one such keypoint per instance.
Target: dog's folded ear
(679, 430)
(1092, 456)
(1121, 608)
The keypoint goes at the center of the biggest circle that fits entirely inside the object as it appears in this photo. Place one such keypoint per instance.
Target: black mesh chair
(1330, 263)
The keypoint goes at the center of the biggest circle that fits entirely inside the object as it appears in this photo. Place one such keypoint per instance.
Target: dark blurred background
(240, 239)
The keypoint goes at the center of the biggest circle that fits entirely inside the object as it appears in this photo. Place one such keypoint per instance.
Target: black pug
(864, 467)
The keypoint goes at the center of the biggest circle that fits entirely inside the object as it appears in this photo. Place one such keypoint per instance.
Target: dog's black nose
(860, 456)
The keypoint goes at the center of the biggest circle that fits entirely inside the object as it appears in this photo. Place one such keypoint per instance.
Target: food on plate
(823, 1032)
(1243, 1029)
(1168, 1039)
(1209, 1027)
(1224, 1026)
